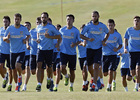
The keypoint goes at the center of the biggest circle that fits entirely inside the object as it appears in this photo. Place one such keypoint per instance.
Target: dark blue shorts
(134, 60)
(16, 58)
(33, 63)
(82, 62)
(4, 57)
(70, 59)
(94, 56)
(125, 71)
(54, 57)
(26, 62)
(117, 63)
(109, 63)
(45, 56)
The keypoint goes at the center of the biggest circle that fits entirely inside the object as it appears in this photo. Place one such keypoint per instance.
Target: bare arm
(86, 38)
(125, 45)
(105, 39)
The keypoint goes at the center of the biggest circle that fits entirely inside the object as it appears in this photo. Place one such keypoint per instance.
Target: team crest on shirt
(100, 29)
(115, 38)
(72, 34)
(21, 32)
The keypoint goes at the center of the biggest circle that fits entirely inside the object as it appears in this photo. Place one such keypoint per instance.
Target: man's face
(17, 20)
(6, 22)
(28, 26)
(95, 17)
(111, 26)
(69, 20)
(44, 18)
(136, 22)
(38, 22)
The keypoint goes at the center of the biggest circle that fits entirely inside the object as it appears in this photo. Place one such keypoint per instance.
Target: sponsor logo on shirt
(33, 39)
(21, 32)
(16, 36)
(135, 38)
(68, 37)
(72, 34)
(111, 41)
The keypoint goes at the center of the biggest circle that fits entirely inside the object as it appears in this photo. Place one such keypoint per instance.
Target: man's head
(70, 19)
(38, 20)
(6, 21)
(44, 17)
(17, 19)
(58, 26)
(28, 25)
(95, 16)
(49, 20)
(136, 21)
(111, 24)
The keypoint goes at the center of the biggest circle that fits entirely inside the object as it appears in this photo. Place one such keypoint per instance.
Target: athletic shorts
(70, 59)
(94, 56)
(26, 62)
(16, 58)
(82, 62)
(33, 63)
(134, 60)
(125, 71)
(117, 63)
(54, 57)
(4, 57)
(109, 63)
(45, 56)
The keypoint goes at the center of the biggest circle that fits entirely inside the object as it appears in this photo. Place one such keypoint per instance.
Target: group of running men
(30, 51)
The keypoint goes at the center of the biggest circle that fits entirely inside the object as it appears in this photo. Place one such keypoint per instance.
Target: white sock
(71, 84)
(51, 79)
(93, 78)
(66, 76)
(39, 84)
(16, 84)
(109, 85)
(113, 81)
(84, 82)
(56, 85)
(19, 76)
(48, 78)
(4, 78)
(9, 84)
(101, 80)
(98, 78)
(136, 85)
(126, 89)
(24, 85)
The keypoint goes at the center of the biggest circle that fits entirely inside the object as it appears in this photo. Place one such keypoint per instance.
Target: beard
(96, 21)
(44, 22)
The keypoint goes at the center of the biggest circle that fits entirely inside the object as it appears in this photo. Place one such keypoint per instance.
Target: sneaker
(5, 81)
(55, 89)
(98, 83)
(61, 77)
(17, 88)
(85, 87)
(102, 86)
(48, 84)
(66, 82)
(51, 87)
(92, 87)
(9, 88)
(38, 88)
(19, 81)
(113, 86)
(136, 90)
(108, 89)
(91, 82)
(71, 89)
(24, 88)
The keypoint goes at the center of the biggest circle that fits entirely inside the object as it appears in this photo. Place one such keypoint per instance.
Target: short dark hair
(111, 21)
(18, 15)
(96, 12)
(38, 18)
(7, 17)
(58, 25)
(45, 14)
(70, 15)
(137, 17)
(28, 23)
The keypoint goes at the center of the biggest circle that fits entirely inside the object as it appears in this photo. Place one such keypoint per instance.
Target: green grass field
(122, 11)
